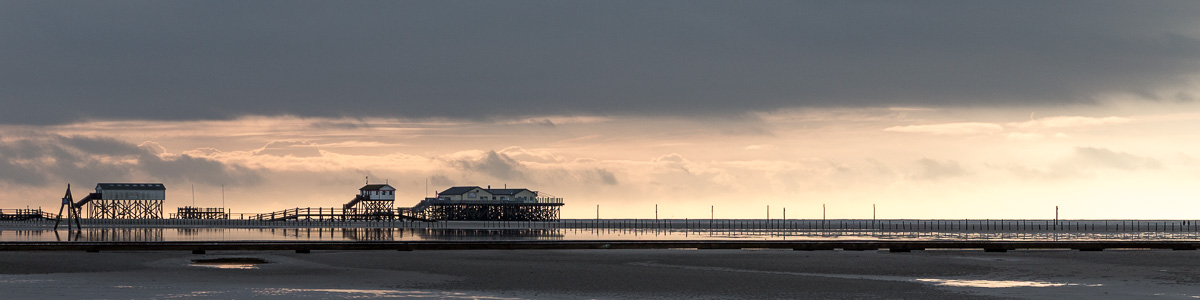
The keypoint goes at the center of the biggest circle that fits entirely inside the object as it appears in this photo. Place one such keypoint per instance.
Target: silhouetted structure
(373, 202)
(68, 203)
(25, 214)
(126, 201)
(201, 213)
(473, 203)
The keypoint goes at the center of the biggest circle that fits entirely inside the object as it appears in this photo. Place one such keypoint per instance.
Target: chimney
(489, 186)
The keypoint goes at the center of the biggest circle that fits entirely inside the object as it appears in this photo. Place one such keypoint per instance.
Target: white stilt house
(378, 192)
(374, 201)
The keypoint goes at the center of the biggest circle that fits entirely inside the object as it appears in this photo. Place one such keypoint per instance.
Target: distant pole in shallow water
(823, 223)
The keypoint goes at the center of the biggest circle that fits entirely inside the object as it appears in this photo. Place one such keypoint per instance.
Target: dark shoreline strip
(894, 246)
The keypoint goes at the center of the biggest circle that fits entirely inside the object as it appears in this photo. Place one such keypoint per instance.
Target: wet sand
(606, 274)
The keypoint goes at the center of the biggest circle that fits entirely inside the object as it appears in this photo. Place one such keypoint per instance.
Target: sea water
(618, 229)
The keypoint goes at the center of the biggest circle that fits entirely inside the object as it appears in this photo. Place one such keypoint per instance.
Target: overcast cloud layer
(184, 60)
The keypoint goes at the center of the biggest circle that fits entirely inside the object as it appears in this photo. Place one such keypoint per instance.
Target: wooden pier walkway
(334, 214)
(26, 215)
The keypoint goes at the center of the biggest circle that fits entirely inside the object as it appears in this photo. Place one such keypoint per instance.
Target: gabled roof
(131, 186)
(509, 192)
(459, 190)
(376, 187)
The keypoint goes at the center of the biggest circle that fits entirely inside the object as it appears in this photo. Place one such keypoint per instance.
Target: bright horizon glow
(1123, 159)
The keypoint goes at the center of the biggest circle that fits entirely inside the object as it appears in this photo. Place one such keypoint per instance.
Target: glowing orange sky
(1119, 160)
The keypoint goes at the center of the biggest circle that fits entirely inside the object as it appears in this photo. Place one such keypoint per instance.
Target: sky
(922, 109)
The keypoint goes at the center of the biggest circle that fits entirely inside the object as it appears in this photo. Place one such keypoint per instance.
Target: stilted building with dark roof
(126, 201)
(474, 203)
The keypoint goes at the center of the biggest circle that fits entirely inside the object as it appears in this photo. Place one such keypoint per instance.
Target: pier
(26, 215)
(541, 209)
(201, 213)
(331, 214)
(474, 203)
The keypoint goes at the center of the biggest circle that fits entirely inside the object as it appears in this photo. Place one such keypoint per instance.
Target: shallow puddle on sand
(235, 263)
(357, 293)
(942, 282)
(998, 283)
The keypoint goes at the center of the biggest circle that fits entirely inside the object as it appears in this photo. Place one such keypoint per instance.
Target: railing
(188, 212)
(189, 209)
(298, 212)
(357, 198)
(21, 211)
(26, 214)
(549, 200)
(327, 213)
(539, 200)
(50, 216)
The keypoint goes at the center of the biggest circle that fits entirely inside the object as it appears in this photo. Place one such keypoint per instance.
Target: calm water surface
(948, 230)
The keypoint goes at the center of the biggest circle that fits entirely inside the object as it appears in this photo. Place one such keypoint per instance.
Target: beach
(606, 274)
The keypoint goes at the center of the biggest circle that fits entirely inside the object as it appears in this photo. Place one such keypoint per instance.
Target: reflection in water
(22, 233)
(489, 234)
(999, 283)
(117, 235)
(234, 263)
(936, 230)
(71, 235)
(195, 231)
(371, 234)
(229, 266)
(351, 234)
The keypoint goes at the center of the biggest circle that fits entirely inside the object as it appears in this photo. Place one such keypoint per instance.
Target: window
(471, 195)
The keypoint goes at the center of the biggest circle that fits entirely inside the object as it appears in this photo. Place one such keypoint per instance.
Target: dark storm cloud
(197, 169)
(38, 160)
(101, 145)
(496, 165)
(20, 174)
(63, 60)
